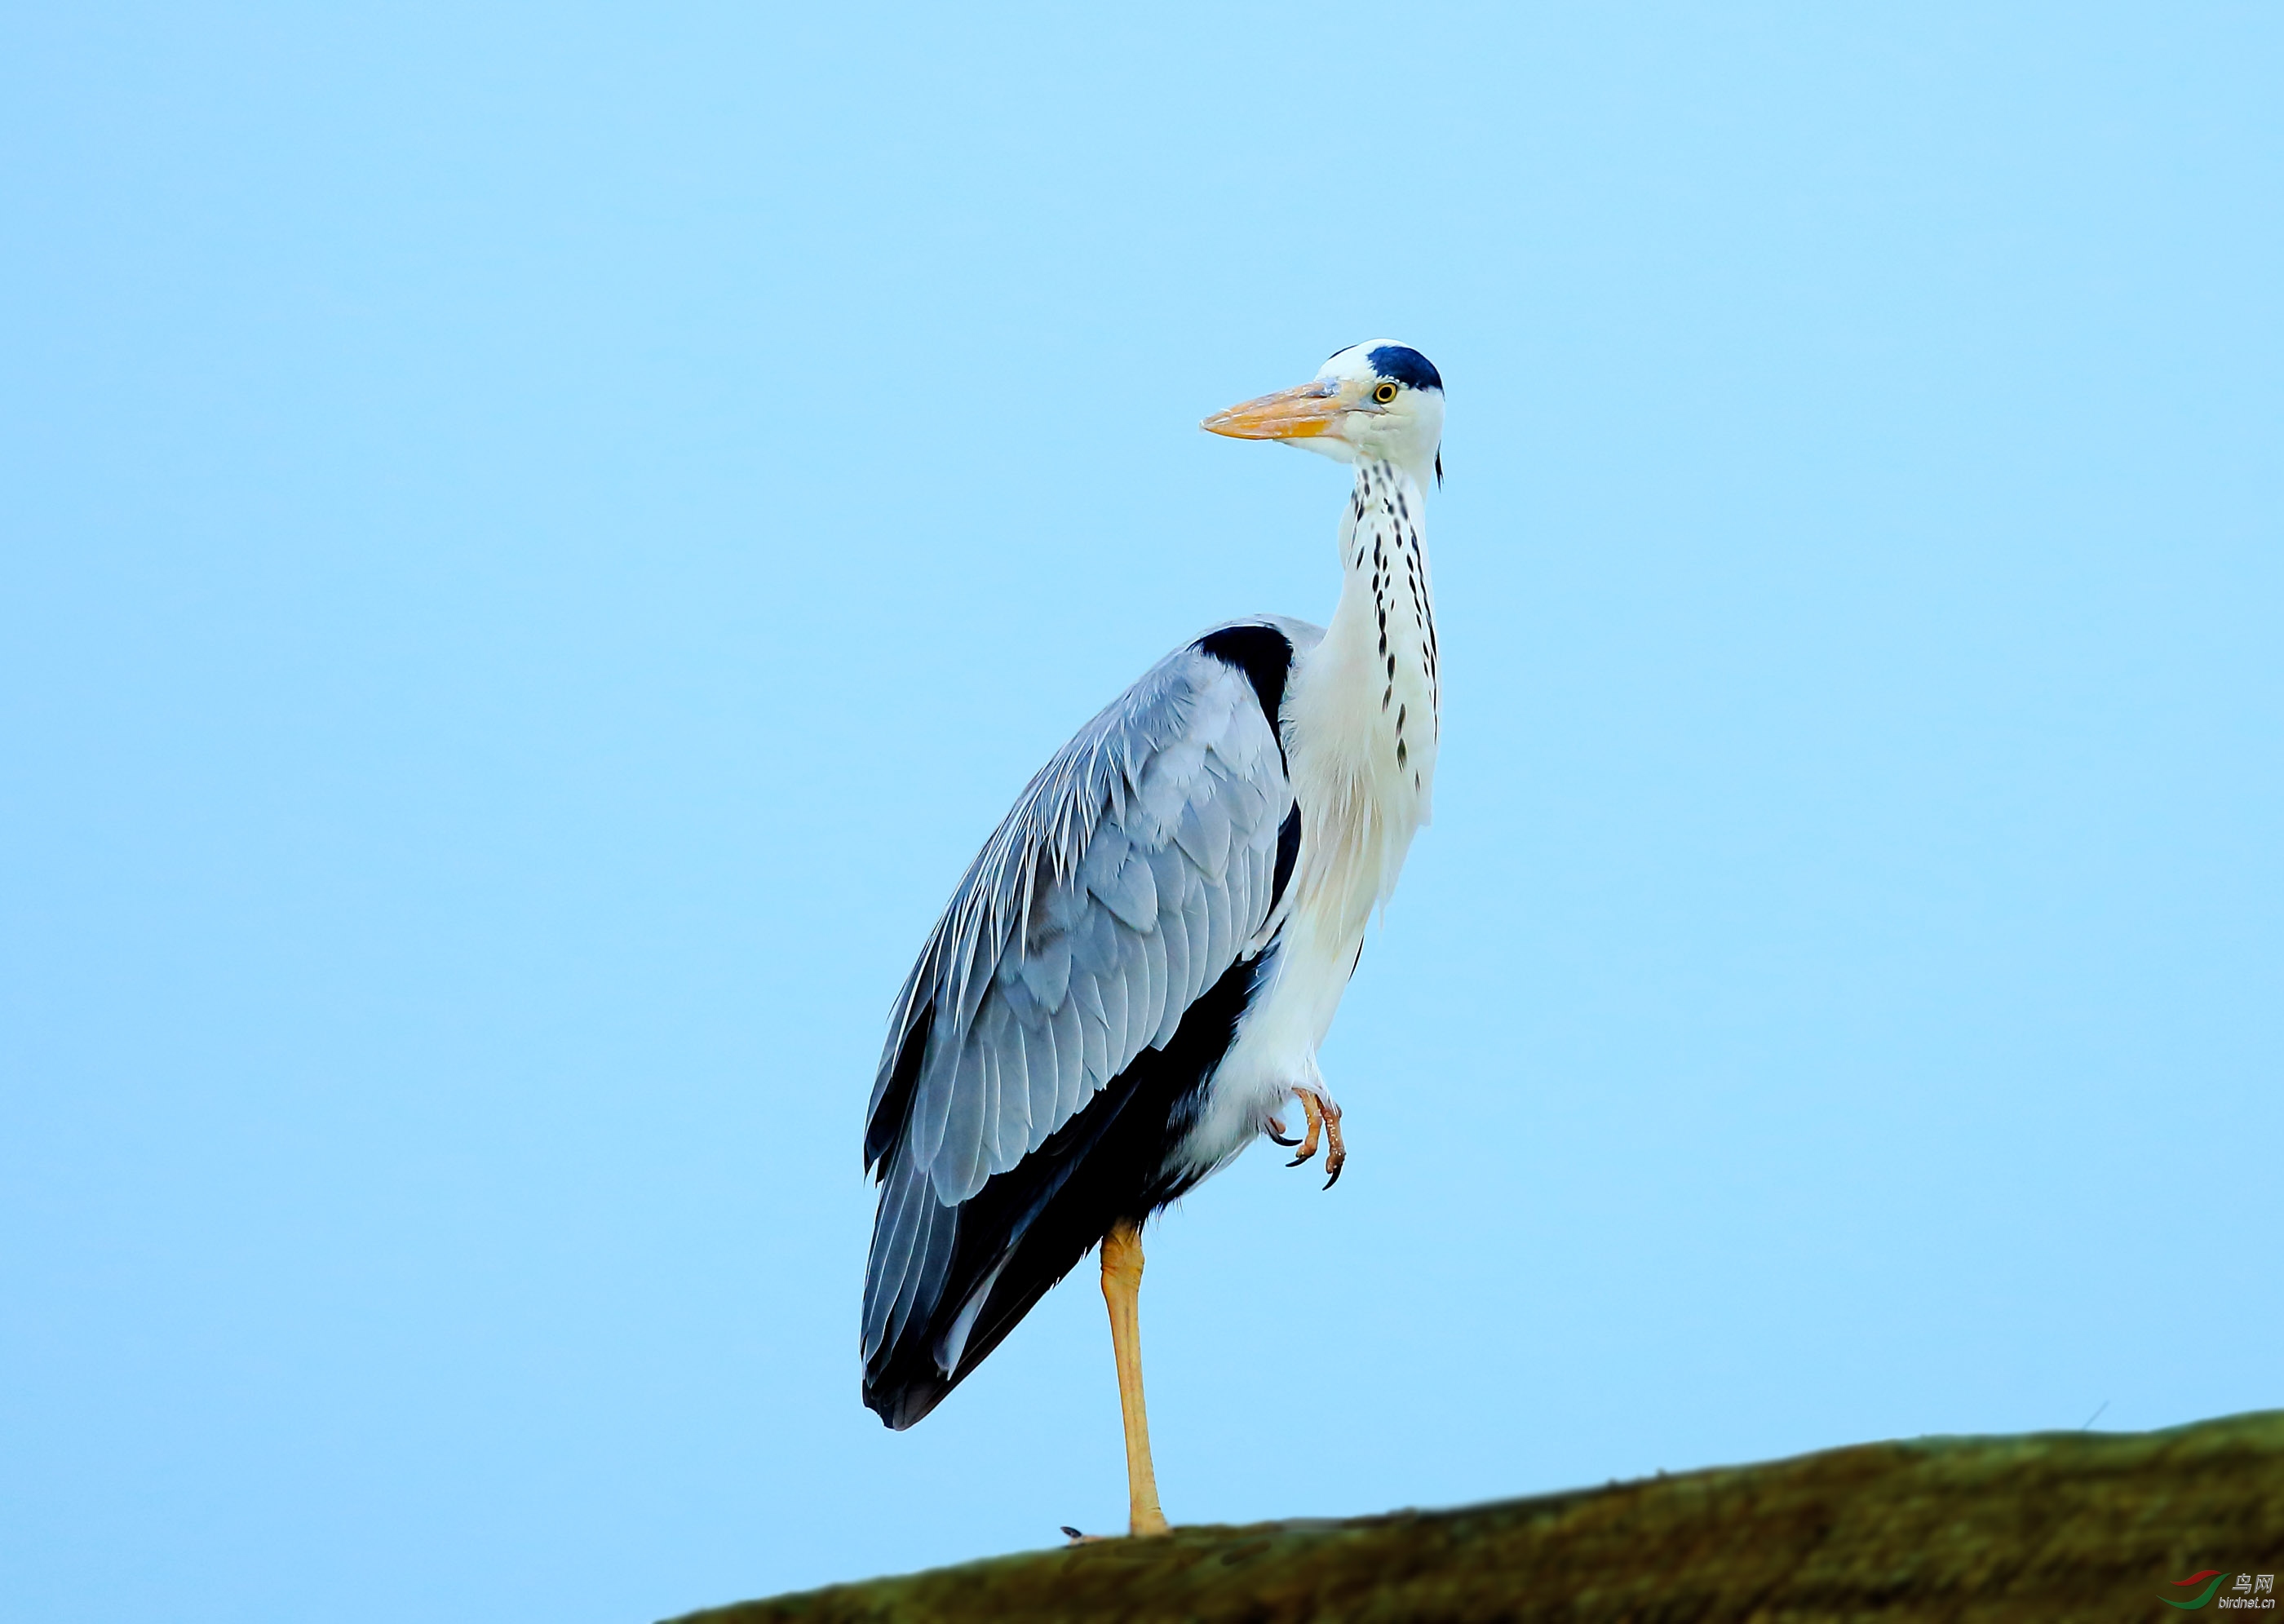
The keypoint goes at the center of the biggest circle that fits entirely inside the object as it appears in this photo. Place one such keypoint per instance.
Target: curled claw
(1316, 1116)
(1325, 1118)
(1276, 1132)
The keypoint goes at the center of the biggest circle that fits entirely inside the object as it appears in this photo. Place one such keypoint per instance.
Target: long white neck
(1361, 731)
(1365, 720)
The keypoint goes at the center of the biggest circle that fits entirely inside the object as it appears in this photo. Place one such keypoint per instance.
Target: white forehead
(1356, 360)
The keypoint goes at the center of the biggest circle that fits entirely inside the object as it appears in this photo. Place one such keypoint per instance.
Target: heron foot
(1077, 1538)
(1325, 1118)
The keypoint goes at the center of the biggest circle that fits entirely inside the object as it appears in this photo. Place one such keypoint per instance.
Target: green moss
(2047, 1525)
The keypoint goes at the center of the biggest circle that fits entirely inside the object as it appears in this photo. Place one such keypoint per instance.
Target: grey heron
(1132, 980)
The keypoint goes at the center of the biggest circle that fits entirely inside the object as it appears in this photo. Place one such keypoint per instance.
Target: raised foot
(1324, 1118)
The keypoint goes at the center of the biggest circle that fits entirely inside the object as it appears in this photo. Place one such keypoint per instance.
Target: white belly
(1274, 1051)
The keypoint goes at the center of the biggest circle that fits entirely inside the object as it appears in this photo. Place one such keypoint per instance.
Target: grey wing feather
(1134, 870)
(1089, 915)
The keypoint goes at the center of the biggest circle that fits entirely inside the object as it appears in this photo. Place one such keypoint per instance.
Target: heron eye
(1384, 393)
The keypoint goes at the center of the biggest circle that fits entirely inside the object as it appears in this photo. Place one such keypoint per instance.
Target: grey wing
(1135, 868)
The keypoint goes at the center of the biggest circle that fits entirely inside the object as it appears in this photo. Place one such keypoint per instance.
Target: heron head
(1378, 400)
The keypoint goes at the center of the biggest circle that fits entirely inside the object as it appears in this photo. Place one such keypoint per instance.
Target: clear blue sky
(537, 541)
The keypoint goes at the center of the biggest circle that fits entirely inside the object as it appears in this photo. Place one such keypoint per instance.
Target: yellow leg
(1122, 1289)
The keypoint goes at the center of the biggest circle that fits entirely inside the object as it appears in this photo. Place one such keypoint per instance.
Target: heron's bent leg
(1122, 1289)
(1323, 1114)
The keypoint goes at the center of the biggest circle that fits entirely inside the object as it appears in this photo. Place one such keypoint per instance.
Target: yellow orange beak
(1299, 413)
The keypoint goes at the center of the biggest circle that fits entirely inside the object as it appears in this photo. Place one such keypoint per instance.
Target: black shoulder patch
(1265, 655)
(1406, 366)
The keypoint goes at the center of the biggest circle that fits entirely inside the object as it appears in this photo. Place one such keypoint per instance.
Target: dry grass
(2048, 1526)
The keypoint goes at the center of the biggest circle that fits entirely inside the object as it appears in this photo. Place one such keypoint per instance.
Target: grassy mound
(2046, 1525)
